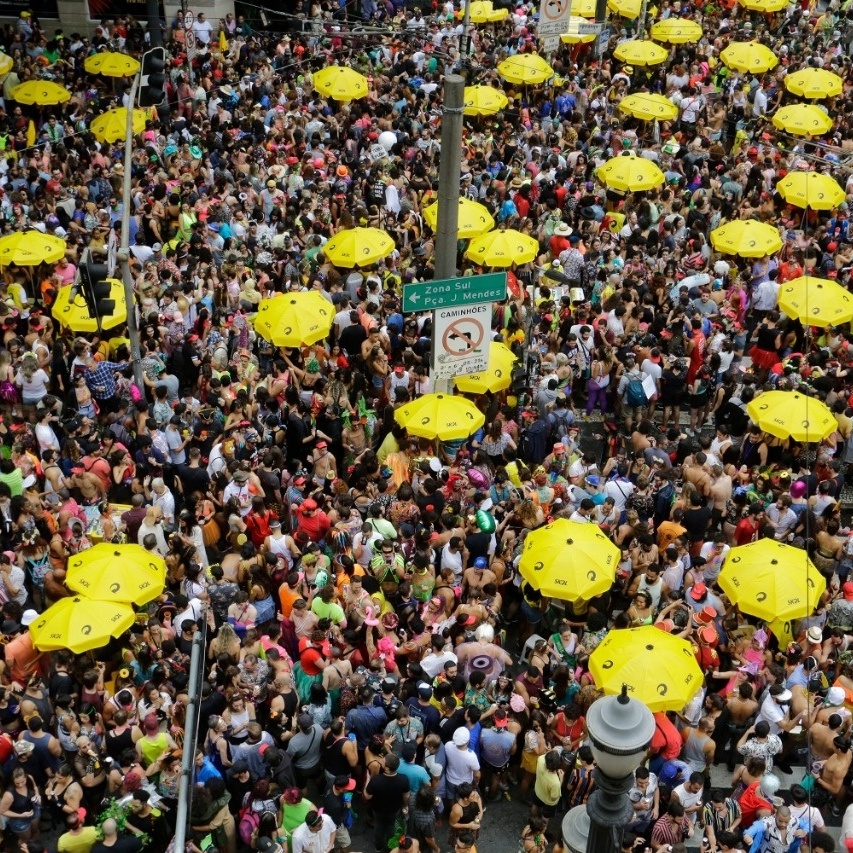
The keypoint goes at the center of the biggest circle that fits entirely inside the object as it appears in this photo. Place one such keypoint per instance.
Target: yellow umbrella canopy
(70, 309)
(498, 375)
(474, 218)
(814, 83)
(765, 6)
(771, 580)
(441, 416)
(483, 100)
(811, 189)
(677, 31)
(503, 248)
(42, 92)
(340, 83)
(749, 56)
(648, 107)
(628, 173)
(93, 573)
(790, 414)
(747, 238)
(481, 10)
(80, 624)
(6, 63)
(802, 120)
(111, 126)
(111, 64)
(636, 52)
(525, 69)
(816, 301)
(584, 8)
(626, 8)
(30, 248)
(572, 35)
(293, 319)
(659, 669)
(569, 560)
(358, 247)
(498, 15)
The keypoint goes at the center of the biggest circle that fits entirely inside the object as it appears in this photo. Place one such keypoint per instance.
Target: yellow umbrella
(569, 560)
(498, 375)
(749, 56)
(41, 92)
(584, 8)
(111, 126)
(648, 107)
(814, 83)
(816, 301)
(71, 311)
(525, 69)
(747, 238)
(30, 248)
(31, 133)
(503, 248)
(572, 35)
(358, 247)
(441, 416)
(636, 52)
(802, 120)
(94, 574)
(626, 8)
(659, 669)
(480, 11)
(111, 64)
(498, 15)
(293, 319)
(80, 624)
(6, 63)
(765, 6)
(790, 414)
(474, 219)
(811, 189)
(483, 100)
(340, 83)
(629, 173)
(677, 31)
(771, 580)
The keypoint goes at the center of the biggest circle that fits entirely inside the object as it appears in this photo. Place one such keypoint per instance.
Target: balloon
(321, 579)
(387, 139)
(319, 162)
(485, 522)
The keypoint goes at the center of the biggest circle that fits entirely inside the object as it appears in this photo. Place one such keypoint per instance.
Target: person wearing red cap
(312, 521)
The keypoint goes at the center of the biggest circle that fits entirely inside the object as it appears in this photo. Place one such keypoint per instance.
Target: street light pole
(620, 731)
(449, 169)
(123, 253)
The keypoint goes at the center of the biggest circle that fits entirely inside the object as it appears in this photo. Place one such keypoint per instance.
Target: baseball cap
(267, 845)
(425, 692)
(461, 737)
(345, 782)
(847, 589)
(501, 718)
(697, 591)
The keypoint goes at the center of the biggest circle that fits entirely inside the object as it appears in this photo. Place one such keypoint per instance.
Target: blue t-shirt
(416, 775)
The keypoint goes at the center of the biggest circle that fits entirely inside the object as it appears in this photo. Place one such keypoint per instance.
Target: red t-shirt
(666, 740)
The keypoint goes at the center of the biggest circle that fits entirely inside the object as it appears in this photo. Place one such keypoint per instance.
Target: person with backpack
(631, 392)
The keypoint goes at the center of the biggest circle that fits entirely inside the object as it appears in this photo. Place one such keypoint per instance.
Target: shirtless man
(88, 486)
(720, 493)
(325, 468)
(477, 576)
(741, 706)
(356, 602)
(823, 734)
(231, 570)
(693, 471)
(829, 779)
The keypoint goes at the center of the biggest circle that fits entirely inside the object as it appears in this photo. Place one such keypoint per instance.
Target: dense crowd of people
(374, 664)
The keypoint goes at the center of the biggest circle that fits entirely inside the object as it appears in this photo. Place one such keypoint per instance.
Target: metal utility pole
(449, 168)
(641, 23)
(124, 250)
(152, 11)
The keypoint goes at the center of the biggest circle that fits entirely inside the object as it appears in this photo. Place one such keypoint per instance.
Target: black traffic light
(152, 91)
(96, 289)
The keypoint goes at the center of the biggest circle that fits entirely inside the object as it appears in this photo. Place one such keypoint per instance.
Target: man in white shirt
(202, 29)
(316, 834)
(433, 663)
(462, 764)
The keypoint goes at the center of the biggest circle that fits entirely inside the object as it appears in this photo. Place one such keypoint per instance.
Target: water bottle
(351, 736)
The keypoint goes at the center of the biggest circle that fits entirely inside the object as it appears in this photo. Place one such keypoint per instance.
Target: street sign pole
(450, 167)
